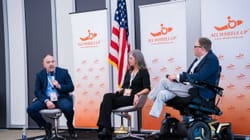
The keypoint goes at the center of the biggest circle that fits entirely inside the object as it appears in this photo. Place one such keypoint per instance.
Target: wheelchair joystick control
(187, 119)
(167, 115)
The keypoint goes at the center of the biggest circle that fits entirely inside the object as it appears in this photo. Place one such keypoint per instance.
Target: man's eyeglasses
(197, 46)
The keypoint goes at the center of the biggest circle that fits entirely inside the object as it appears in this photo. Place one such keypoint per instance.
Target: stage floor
(37, 134)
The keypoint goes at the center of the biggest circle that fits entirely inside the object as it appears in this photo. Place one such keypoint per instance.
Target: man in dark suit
(52, 90)
(204, 68)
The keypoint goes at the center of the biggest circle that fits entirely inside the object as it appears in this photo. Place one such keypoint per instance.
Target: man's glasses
(197, 46)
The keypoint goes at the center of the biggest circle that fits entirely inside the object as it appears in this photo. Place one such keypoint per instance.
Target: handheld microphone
(52, 76)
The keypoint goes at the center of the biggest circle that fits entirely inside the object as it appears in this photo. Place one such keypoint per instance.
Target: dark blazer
(61, 75)
(206, 71)
(140, 82)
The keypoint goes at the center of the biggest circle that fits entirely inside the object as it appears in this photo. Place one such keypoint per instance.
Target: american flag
(120, 47)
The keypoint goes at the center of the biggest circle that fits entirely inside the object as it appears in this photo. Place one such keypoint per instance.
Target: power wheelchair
(196, 123)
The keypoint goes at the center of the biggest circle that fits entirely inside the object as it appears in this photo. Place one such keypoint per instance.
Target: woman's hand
(136, 99)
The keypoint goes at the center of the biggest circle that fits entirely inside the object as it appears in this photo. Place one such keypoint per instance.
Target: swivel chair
(196, 112)
(124, 113)
(53, 114)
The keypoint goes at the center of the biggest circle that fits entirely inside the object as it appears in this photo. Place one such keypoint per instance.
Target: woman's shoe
(105, 132)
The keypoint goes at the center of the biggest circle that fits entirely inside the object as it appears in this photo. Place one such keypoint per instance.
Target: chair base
(130, 135)
(121, 130)
(57, 137)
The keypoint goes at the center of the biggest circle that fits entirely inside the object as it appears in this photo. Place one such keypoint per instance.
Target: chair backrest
(218, 79)
(142, 101)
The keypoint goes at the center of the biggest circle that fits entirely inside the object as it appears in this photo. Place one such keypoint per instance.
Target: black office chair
(196, 112)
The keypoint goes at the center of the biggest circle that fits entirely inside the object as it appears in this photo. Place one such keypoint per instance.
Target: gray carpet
(84, 135)
(92, 135)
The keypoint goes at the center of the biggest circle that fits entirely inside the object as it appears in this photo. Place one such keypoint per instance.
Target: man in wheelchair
(193, 93)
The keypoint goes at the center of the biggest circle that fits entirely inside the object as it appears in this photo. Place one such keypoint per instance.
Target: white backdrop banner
(163, 43)
(91, 69)
(227, 24)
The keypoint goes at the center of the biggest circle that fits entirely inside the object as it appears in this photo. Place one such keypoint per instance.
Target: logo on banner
(230, 30)
(162, 36)
(89, 40)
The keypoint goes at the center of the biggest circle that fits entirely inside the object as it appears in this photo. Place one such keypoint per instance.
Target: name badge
(127, 92)
(53, 96)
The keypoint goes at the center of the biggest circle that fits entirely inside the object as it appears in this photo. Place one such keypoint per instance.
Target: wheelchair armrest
(218, 90)
(201, 84)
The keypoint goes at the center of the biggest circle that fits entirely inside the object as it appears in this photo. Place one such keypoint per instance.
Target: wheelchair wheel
(199, 131)
(168, 128)
(227, 134)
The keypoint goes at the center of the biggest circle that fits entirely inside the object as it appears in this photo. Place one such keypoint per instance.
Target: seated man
(52, 88)
(204, 68)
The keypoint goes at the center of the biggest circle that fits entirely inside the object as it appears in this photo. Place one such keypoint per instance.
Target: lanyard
(50, 78)
(132, 77)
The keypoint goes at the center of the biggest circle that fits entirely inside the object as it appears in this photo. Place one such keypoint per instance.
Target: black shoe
(100, 128)
(105, 132)
(48, 131)
(72, 132)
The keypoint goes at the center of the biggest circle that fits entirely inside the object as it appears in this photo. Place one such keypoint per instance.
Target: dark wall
(38, 38)
(89, 5)
(137, 3)
(2, 72)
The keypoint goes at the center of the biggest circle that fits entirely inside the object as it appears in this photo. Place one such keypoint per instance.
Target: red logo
(101, 69)
(78, 70)
(85, 77)
(178, 68)
(90, 36)
(84, 62)
(102, 85)
(163, 31)
(90, 69)
(156, 78)
(162, 36)
(239, 56)
(229, 30)
(91, 85)
(96, 61)
(230, 86)
(163, 69)
(231, 108)
(241, 76)
(171, 59)
(241, 96)
(248, 66)
(221, 57)
(154, 61)
(231, 24)
(97, 77)
(231, 66)
(89, 40)
(248, 86)
(97, 93)
(84, 92)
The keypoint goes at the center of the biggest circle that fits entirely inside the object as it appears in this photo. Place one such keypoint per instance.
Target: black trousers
(111, 101)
